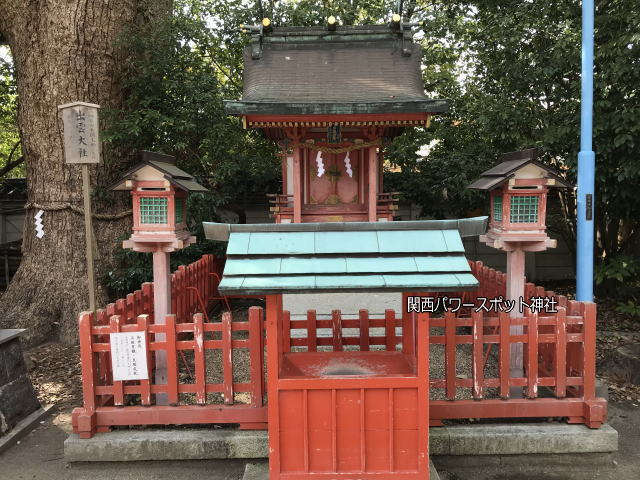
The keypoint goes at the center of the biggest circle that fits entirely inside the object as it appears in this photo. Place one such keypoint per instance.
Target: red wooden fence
(109, 403)
(193, 288)
(559, 354)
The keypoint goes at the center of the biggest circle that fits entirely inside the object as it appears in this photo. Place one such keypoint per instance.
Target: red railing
(559, 354)
(193, 289)
(190, 378)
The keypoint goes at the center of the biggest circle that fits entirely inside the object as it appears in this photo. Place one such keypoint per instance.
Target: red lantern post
(159, 193)
(518, 187)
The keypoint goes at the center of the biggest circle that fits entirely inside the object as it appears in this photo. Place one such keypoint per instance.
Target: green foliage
(630, 307)
(619, 278)
(10, 149)
(133, 270)
(622, 269)
(175, 91)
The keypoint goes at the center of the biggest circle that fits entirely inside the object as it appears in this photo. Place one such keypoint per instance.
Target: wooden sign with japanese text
(81, 135)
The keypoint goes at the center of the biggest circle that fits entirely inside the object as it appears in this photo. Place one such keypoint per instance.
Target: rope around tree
(78, 210)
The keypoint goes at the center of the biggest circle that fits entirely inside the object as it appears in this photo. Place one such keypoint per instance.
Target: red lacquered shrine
(355, 410)
(332, 99)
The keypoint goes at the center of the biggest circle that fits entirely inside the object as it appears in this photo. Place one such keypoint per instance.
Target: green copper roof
(340, 257)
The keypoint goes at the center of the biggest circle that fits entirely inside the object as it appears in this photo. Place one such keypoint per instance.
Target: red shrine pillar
(373, 184)
(297, 185)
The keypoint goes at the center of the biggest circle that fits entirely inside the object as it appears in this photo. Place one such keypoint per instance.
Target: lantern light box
(518, 188)
(159, 193)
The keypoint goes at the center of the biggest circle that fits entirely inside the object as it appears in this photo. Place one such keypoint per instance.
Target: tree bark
(64, 51)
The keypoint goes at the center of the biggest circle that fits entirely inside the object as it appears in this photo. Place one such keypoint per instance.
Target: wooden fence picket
(336, 319)
(227, 359)
(450, 355)
(390, 330)
(312, 337)
(172, 360)
(256, 356)
(532, 351)
(478, 354)
(363, 328)
(199, 358)
(505, 354)
(118, 386)
(561, 353)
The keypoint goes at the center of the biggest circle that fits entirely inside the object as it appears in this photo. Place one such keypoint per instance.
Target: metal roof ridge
(465, 226)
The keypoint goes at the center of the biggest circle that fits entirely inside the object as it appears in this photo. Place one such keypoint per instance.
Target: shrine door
(334, 187)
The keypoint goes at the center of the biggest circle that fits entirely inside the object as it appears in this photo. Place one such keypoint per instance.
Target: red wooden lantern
(518, 188)
(159, 193)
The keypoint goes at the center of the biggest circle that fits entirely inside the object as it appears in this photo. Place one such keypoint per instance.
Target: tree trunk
(63, 51)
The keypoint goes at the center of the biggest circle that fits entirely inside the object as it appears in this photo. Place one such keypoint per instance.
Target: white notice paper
(129, 356)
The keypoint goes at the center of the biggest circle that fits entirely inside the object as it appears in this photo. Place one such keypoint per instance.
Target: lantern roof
(157, 166)
(346, 257)
(368, 69)
(521, 164)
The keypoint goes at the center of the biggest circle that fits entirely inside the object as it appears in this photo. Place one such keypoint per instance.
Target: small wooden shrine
(332, 97)
(357, 413)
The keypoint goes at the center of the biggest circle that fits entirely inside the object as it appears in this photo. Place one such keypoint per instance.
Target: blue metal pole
(586, 165)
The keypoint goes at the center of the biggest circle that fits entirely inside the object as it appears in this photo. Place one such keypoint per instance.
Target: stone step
(478, 439)
(260, 471)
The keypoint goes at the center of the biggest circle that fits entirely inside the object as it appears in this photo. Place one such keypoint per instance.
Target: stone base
(192, 444)
(17, 397)
(457, 440)
(24, 426)
(260, 471)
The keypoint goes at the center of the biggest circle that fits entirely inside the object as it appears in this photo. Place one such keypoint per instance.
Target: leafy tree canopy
(11, 165)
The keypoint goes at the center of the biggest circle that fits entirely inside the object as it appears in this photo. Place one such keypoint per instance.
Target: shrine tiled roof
(346, 257)
(166, 167)
(511, 163)
(359, 69)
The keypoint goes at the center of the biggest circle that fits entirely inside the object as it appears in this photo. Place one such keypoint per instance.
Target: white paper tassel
(320, 164)
(347, 165)
(39, 225)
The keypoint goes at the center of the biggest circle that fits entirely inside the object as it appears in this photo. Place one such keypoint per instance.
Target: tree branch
(10, 165)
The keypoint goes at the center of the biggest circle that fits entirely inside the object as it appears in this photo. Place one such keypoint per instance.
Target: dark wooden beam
(335, 108)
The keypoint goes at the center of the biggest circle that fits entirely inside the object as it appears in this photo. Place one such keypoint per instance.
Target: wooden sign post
(82, 146)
